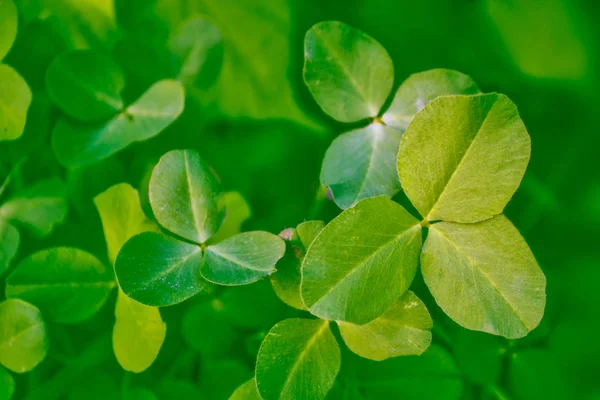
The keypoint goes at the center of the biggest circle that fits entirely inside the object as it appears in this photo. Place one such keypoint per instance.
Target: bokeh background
(265, 136)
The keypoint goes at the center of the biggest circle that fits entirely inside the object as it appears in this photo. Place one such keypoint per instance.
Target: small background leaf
(8, 22)
(23, 336)
(15, 98)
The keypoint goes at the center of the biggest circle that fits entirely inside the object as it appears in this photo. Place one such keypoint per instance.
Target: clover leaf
(85, 85)
(77, 143)
(350, 75)
(295, 352)
(484, 276)
(246, 391)
(139, 330)
(67, 284)
(463, 157)
(400, 331)
(15, 98)
(160, 270)
(361, 262)
(23, 336)
(8, 22)
(9, 244)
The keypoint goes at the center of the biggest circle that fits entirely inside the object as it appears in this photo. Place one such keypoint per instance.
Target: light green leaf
(157, 270)
(286, 281)
(185, 196)
(419, 89)
(198, 45)
(243, 258)
(308, 231)
(237, 212)
(484, 276)
(85, 85)
(9, 244)
(348, 72)
(362, 261)
(23, 336)
(138, 334)
(122, 216)
(463, 157)
(206, 329)
(7, 384)
(247, 391)
(8, 26)
(256, 64)
(362, 163)
(67, 284)
(82, 143)
(38, 208)
(433, 375)
(15, 98)
(402, 330)
(299, 359)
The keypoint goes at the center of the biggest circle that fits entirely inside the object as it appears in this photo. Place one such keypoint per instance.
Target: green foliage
(299, 358)
(116, 116)
(67, 284)
(23, 336)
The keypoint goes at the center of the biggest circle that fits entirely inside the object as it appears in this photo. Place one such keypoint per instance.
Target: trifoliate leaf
(157, 270)
(237, 211)
(15, 98)
(9, 244)
(433, 375)
(122, 216)
(38, 208)
(186, 196)
(8, 24)
(213, 342)
(362, 163)
(348, 72)
(402, 330)
(247, 391)
(7, 385)
(419, 89)
(484, 276)
(463, 157)
(243, 258)
(85, 85)
(362, 261)
(68, 285)
(82, 143)
(198, 45)
(299, 359)
(138, 334)
(23, 336)
(286, 281)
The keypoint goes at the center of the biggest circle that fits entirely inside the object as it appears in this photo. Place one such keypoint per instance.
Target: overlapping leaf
(67, 284)
(361, 262)
(299, 358)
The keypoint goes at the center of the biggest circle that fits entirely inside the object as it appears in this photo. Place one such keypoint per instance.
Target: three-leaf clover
(160, 270)
(87, 87)
(351, 76)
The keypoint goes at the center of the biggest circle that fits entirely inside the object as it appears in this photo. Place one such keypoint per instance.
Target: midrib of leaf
(469, 147)
(311, 342)
(485, 276)
(193, 204)
(167, 271)
(21, 333)
(375, 143)
(361, 264)
(337, 58)
(237, 261)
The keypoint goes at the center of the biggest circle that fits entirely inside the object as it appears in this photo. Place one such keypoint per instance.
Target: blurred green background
(265, 136)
